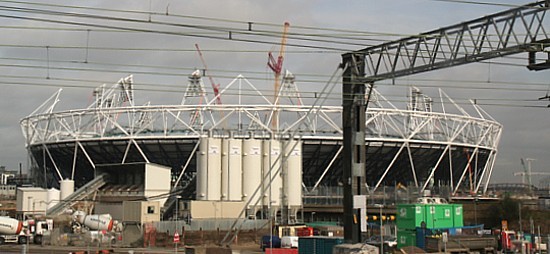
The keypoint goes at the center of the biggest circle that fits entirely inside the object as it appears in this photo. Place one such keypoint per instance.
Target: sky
(37, 57)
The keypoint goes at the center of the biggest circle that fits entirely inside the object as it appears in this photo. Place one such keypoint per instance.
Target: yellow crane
(277, 66)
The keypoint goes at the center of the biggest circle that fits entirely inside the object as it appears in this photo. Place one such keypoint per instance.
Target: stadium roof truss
(109, 120)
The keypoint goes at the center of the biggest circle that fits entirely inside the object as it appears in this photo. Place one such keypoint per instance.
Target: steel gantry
(518, 30)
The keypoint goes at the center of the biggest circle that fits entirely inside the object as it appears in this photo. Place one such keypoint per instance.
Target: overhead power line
(228, 38)
(249, 25)
(228, 32)
(304, 95)
(499, 86)
(214, 30)
(295, 51)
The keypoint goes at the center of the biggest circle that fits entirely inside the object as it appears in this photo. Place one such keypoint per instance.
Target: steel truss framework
(513, 31)
(509, 32)
(414, 146)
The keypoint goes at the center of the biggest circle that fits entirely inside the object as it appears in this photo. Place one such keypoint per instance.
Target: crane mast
(215, 87)
(276, 65)
(527, 172)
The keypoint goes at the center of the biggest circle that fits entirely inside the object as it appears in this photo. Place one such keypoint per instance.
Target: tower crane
(276, 65)
(215, 87)
(527, 173)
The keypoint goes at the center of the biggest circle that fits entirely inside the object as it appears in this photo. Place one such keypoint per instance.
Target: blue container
(269, 241)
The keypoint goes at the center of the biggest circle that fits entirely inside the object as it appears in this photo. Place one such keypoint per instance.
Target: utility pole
(520, 224)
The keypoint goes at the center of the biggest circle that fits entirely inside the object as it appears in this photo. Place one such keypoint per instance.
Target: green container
(439, 216)
(410, 216)
(443, 216)
(318, 244)
(429, 215)
(458, 216)
(406, 238)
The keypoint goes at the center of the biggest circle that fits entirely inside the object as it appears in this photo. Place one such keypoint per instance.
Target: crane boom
(533, 173)
(215, 87)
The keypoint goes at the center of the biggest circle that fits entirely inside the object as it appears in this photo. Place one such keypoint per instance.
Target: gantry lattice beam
(522, 29)
(517, 30)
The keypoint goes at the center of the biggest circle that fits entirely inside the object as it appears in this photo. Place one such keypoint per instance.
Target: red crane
(215, 87)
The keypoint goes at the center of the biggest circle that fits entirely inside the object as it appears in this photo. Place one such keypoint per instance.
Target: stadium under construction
(266, 153)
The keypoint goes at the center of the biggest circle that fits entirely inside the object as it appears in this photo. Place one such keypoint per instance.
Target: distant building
(6, 174)
(7, 189)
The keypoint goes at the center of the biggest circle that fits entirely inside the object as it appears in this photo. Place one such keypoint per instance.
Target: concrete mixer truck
(14, 231)
(96, 228)
(11, 231)
(93, 221)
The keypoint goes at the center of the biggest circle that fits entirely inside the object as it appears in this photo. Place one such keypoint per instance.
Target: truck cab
(38, 229)
(507, 240)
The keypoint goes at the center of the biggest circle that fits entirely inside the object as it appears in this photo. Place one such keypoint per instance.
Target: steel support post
(354, 153)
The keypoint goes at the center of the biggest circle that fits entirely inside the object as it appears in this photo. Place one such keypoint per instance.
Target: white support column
(434, 168)
(327, 168)
(413, 169)
(53, 162)
(74, 160)
(451, 168)
(389, 167)
(86, 154)
(184, 168)
(140, 151)
(464, 172)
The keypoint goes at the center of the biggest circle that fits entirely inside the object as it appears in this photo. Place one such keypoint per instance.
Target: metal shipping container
(410, 216)
(458, 215)
(439, 216)
(318, 245)
(406, 238)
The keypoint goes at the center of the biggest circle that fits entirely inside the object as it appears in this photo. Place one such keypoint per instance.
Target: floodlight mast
(517, 30)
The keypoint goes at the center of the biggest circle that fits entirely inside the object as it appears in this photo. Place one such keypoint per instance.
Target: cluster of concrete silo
(262, 173)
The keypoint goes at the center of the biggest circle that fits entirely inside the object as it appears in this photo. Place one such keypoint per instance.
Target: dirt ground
(245, 240)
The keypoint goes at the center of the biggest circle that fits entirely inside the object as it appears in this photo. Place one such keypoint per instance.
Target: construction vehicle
(507, 238)
(92, 222)
(39, 229)
(11, 231)
(462, 244)
(21, 232)
(292, 230)
(94, 228)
